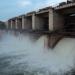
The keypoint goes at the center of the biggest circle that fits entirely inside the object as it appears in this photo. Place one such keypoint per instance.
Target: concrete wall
(13, 24)
(16, 23)
(9, 24)
(53, 39)
(55, 22)
(28, 23)
(39, 22)
(19, 23)
(23, 18)
(58, 21)
(51, 20)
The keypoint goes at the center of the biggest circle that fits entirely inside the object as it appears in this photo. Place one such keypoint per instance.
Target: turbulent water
(26, 54)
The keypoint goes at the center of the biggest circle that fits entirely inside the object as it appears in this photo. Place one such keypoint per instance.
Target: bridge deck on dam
(70, 5)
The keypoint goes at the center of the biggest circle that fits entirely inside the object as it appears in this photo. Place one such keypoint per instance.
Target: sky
(12, 8)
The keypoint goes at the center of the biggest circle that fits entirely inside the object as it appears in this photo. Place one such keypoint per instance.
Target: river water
(26, 54)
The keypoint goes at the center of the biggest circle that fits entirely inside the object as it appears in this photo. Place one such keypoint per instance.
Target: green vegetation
(2, 25)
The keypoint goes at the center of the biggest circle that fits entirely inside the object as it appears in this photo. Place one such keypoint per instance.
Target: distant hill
(2, 25)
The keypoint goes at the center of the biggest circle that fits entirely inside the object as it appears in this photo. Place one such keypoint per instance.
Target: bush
(2, 25)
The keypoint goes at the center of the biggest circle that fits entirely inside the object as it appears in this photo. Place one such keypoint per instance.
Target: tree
(2, 25)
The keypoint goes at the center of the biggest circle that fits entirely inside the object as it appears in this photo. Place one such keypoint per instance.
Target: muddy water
(26, 54)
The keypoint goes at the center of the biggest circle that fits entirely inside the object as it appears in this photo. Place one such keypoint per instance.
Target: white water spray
(24, 54)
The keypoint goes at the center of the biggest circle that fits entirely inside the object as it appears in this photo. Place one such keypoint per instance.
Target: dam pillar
(52, 40)
(38, 23)
(18, 23)
(16, 20)
(30, 21)
(43, 19)
(50, 20)
(56, 23)
(33, 21)
(23, 22)
(13, 24)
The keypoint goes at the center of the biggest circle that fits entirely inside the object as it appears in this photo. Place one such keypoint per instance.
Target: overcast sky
(12, 8)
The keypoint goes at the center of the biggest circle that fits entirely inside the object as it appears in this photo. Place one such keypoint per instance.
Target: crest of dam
(29, 54)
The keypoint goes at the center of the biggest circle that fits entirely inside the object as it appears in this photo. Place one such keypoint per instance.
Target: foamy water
(20, 54)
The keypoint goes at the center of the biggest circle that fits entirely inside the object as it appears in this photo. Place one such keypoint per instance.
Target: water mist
(26, 54)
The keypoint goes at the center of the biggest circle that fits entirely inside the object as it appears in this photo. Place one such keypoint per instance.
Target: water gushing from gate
(24, 54)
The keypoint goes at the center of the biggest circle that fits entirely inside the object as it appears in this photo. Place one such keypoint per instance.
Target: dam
(40, 43)
(55, 21)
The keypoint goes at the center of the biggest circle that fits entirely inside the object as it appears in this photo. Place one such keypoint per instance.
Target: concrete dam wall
(56, 22)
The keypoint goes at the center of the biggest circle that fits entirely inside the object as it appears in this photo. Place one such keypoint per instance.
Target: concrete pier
(44, 19)
(9, 24)
(16, 23)
(19, 23)
(23, 22)
(41, 21)
(53, 40)
(13, 24)
(30, 20)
